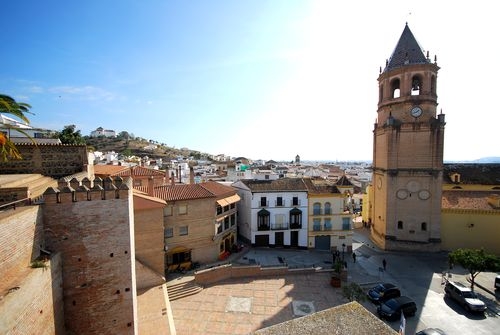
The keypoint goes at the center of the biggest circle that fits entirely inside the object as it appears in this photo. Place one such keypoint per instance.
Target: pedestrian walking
(384, 263)
(354, 257)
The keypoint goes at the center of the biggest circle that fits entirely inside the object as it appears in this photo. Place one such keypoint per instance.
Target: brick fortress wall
(55, 161)
(92, 224)
(30, 298)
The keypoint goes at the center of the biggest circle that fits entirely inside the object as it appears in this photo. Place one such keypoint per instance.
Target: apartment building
(273, 212)
(199, 222)
(329, 219)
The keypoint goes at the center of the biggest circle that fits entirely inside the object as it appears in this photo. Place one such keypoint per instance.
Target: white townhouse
(273, 213)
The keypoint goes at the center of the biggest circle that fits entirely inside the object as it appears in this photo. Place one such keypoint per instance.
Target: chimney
(180, 175)
(191, 175)
(151, 186)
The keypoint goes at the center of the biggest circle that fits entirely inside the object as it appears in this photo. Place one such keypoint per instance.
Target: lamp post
(343, 250)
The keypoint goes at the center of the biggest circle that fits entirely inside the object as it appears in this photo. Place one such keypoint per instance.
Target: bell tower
(408, 139)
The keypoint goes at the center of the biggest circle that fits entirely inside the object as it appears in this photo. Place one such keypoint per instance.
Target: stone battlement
(85, 189)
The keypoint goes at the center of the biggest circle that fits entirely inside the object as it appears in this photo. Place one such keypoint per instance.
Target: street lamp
(343, 250)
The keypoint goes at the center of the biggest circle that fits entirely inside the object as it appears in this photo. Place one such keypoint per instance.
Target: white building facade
(273, 213)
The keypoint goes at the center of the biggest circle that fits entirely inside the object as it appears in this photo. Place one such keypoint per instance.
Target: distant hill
(136, 146)
(488, 160)
(484, 160)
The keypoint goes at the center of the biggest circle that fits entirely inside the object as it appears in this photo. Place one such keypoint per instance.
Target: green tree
(69, 135)
(475, 261)
(353, 291)
(9, 105)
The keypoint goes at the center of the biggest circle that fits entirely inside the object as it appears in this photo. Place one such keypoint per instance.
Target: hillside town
(98, 242)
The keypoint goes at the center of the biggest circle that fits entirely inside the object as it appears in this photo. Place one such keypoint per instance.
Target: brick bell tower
(408, 139)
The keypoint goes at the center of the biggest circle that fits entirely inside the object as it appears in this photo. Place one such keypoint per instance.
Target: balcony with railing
(279, 226)
(262, 227)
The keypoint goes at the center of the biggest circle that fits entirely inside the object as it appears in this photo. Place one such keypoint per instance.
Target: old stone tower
(408, 140)
(91, 224)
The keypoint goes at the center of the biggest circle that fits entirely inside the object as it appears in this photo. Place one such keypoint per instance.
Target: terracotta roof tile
(467, 200)
(282, 184)
(108, 170)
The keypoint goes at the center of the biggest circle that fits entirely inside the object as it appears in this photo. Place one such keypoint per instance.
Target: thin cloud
(82, 92)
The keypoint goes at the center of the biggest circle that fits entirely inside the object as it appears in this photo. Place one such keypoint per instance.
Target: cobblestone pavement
(215, 311)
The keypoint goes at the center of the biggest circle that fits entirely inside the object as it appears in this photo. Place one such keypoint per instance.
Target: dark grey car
(383, 292)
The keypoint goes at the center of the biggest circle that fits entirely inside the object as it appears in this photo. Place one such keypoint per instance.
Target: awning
(229, 200)
(177, 250)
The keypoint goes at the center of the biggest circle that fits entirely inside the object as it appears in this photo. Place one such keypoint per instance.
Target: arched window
(316, 208)
(328, 208)
(395, 88)
(416, 85)
(263, 220)
(423, 226)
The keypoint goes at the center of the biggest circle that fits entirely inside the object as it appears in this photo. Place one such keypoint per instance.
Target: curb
(481, 286)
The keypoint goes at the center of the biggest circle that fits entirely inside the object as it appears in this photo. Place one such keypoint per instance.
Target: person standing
(354, 257)
(384, 263)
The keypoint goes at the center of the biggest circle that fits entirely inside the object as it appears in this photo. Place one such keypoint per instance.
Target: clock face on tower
(416, 111)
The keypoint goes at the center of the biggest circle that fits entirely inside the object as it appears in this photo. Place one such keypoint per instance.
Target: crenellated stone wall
(91, 224)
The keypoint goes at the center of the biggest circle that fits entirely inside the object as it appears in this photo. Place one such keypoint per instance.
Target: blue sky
(261, 79)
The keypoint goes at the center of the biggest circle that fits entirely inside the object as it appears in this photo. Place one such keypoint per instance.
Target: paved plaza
(241, 306)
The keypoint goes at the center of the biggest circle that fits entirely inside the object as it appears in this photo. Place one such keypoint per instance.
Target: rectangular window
(219, 209)
(183, 230)
(226, 222)
(279, 201)
(226, 208)
(233, 205)
(295, 201)
(167, 211)
(328, 224)
(219, 227)
(168, 232)
(263, 201)
(233, 219)
(346, 223)
(316, 224)
(182, 209)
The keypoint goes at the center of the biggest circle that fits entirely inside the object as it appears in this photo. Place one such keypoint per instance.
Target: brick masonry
(94, 231)
(31, 298)
(56, 161)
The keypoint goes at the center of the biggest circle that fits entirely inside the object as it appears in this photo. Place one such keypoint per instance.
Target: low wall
(216, 274)
(35, 306)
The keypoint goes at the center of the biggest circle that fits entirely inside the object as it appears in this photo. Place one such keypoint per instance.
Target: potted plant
(335, 280)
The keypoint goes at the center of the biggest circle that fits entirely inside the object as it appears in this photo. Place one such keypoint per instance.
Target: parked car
(383, 292)
(431, 331)
(392, 308)
(464, 296)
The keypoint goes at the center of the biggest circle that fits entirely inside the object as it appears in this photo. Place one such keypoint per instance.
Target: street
(420, 276)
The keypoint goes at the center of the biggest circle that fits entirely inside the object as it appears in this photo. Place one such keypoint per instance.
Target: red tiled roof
(466, 200)
(126, 171)
(282, 184)
(176, 192)
(218, 189)
(182, 192)
(109, 170)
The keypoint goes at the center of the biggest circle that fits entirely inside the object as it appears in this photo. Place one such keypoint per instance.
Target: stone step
(184, 289)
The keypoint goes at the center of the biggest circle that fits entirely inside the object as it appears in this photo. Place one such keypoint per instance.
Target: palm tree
(18, 109)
